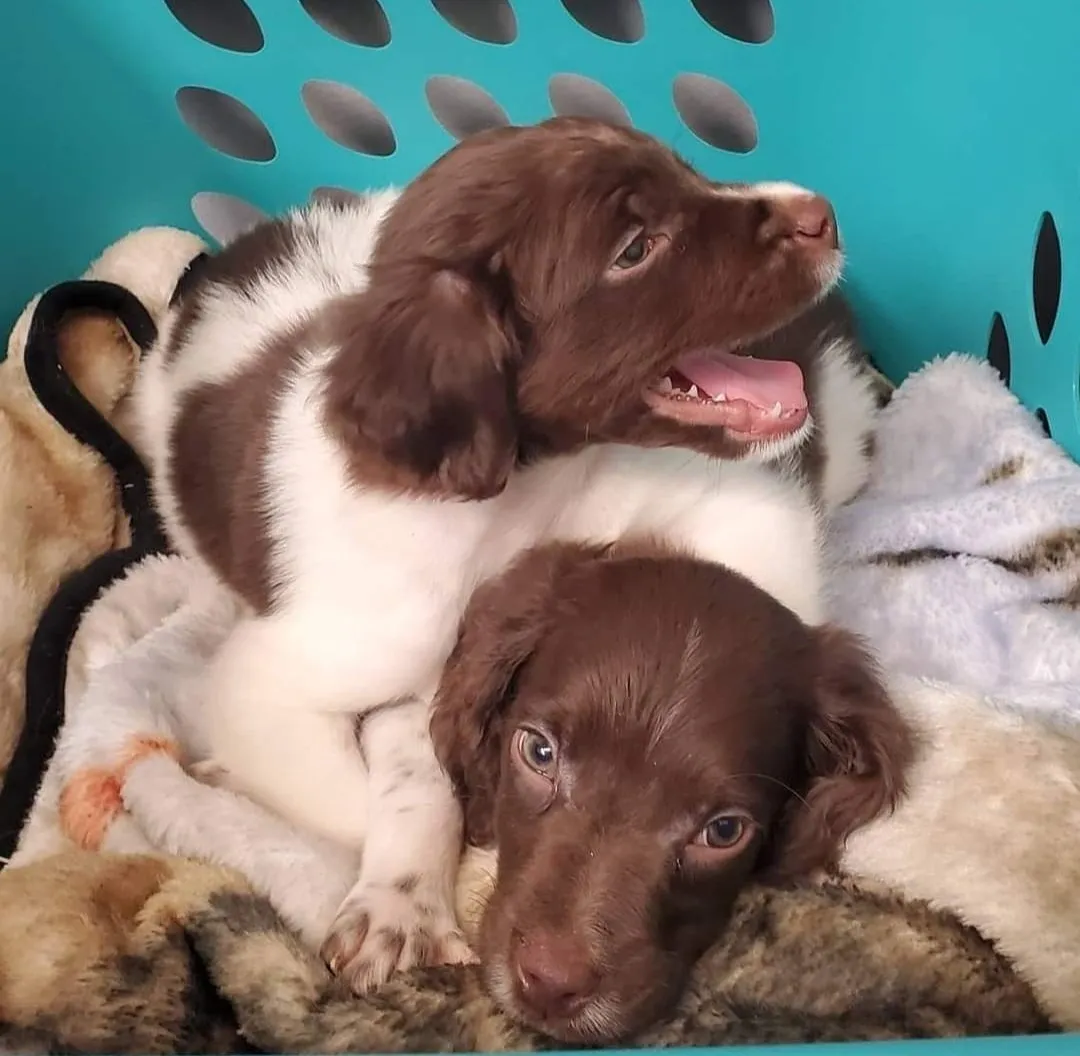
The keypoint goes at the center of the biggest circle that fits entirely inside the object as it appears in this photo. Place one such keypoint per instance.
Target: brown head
(545, 286)
(640, 736)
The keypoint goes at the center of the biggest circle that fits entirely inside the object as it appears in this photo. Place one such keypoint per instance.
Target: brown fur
(494, 331)
(146, 954)
(673, 691)
(238, 547)
(60, 504)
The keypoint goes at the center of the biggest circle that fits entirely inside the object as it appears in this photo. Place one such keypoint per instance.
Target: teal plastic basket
(944, 131)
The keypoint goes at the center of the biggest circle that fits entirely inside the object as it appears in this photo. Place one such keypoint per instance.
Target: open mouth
(755, 399)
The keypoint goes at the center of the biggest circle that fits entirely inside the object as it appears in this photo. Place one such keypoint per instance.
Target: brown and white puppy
(639, 735)
(356, 413)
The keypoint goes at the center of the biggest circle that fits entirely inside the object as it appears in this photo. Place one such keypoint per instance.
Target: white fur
(779, 189)
(373, 585)
(845, 416)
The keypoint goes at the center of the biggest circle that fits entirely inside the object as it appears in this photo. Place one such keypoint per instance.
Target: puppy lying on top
(358, 412)
(639, 734)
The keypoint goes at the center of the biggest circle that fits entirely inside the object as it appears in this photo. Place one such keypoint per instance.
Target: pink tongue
(762, 382)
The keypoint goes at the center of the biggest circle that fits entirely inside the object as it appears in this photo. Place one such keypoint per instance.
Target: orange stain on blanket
(93, 797)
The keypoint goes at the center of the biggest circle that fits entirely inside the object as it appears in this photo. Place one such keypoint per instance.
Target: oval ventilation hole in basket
(750, 21)
(348, 118)
(620, 20)
(228, 24)
(225, 123)
(1046, 277)
(997, 348)
(461, 107)
(490, 21)
(576, 96)
(715, 113)
(340, 195)
(362, 22)
(225, 217)
(1043, 421)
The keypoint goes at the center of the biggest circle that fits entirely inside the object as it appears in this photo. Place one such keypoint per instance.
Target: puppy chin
(828, 272)
(779, 447)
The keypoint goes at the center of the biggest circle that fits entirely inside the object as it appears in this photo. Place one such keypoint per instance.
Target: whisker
(776, 781)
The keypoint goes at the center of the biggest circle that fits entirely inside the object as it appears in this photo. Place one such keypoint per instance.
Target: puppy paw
(382, 929)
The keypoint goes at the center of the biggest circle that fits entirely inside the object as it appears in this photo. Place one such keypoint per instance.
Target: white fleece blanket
(957, 563)
(961, 560)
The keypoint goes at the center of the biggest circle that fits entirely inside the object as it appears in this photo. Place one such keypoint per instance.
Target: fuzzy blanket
(126, 777)
(72, 350)
(961, 559)
(177, 956)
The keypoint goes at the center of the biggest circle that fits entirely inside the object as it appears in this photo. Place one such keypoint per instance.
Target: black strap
(46, 662)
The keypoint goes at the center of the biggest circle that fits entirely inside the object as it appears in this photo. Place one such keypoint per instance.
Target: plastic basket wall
(946, 132)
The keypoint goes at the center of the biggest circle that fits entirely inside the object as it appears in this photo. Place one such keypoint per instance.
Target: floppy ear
(421, 390)
(858, 751)
(503, 623)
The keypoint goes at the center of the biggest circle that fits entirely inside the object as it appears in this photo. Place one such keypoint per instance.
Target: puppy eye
(635, 252)
(535, 751)
(725, 832)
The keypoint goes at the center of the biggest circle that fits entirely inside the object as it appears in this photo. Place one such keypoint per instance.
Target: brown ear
(503, 622)
(421, 391)
(858, 751)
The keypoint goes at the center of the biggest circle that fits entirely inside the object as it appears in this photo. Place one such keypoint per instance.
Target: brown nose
(554, 977)
(804, 217)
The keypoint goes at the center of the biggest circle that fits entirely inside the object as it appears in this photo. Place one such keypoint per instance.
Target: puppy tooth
(692, 391)
(776, 410)
(720, 397)
(664, 385)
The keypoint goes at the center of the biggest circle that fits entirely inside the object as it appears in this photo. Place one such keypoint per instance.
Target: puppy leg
(401, 913)
(277, 732)
(265, 737)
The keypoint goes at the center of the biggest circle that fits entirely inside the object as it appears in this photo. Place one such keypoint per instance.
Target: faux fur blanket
(835, 963)
(143, 954)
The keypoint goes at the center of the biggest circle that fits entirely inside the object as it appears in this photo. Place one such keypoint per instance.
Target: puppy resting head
(540, 287)
(639, 735)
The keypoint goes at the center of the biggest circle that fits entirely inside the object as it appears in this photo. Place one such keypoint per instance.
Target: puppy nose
(553, 973)
(804, 217)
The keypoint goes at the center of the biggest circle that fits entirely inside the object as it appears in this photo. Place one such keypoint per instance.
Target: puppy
(358, 412)
(640, 735)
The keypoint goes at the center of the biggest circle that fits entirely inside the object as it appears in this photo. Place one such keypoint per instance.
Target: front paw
(384, 928)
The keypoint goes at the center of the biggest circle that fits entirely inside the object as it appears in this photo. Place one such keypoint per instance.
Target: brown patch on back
(238, 266)
(1004, 470)
(224, 503)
